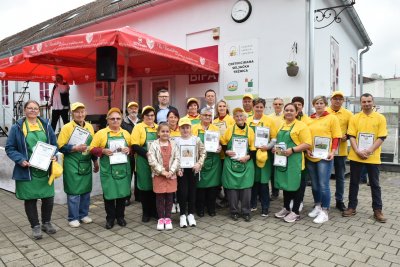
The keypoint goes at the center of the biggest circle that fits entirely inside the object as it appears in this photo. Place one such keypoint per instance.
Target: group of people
(183, 164)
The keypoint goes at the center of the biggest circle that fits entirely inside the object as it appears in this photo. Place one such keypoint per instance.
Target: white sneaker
(160, 224)
(86, 220)
(291, 217)
(301, 206)
(282, 213)
(253, 209)
(178, 210)
(182, 221)
(314, 213)
(322, 217)
(74, 223)
(291, 204)
(173, 210)
(168, 224)
(191, 220)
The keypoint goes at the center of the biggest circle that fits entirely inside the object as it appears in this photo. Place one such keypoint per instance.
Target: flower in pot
(292, 69)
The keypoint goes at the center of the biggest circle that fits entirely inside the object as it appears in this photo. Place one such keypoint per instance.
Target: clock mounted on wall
(241, 11)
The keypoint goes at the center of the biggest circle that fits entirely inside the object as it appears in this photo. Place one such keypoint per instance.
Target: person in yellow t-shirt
(193, 106)
(339, 162)
(325, 134)
(367, 131)
(247, 102)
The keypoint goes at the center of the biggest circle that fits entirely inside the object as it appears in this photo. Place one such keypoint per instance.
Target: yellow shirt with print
(300, 134)
(326, 126)
(228, 135)
(344, 116)
(138, 136)
(101, 137)
(278, 119)
(68, 129)
(265, 121)
(373, 123)
(32, 127)
(192, 119)
(198, 128)
(174, 133)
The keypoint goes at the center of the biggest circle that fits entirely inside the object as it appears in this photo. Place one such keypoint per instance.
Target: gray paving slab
(216, 241)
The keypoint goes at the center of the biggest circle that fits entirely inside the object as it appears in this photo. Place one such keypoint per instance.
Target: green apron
(210, 174)
(263, 175)
(195, 121)
(143, 170)
(78, 172)
(237, 175)
(38, 187)
(115, 179)
(288, 178)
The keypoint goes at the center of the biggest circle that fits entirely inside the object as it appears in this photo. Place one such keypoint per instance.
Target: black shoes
(200, 213)
(340, 206)
(211, 213)
(235, 216)
(121, 222)
(127, 202)
(145, 218)
(109, 224)
(246, 217)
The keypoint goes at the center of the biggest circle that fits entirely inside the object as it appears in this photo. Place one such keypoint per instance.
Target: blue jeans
(339, 164)
(261, 190)
(320, 173)
(373, 176)
(78, 206)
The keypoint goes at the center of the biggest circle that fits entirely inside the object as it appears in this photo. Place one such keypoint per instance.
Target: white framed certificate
(279, 158)
(239, 146)
(222, 127)
(211, 141)
(261, 136)
(365, 140)
(116, 148)
(41, 156)
(79, 136)
(321, 147)
(188, 156)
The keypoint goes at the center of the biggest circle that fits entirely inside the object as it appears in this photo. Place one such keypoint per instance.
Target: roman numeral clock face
(241, 11)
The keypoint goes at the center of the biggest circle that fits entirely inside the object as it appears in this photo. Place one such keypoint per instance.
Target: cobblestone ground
(218, 241)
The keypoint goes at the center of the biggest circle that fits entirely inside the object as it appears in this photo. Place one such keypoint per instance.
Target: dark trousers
(274, 190)
(261, 190)
(148, 199)
(339, 163)
(373, 175)
(115, 208)
(187, 191)
(236, 195)
(55, 116)
(206, 197)
(164, 204)
(296, 196)
(304, 177)
(32, 213)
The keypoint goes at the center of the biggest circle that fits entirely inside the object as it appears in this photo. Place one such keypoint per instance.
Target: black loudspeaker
(106, 63)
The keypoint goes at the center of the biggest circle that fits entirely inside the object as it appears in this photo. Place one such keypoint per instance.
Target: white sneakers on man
(86, 220)
(322, 217)
(182, 221)
(191, 220)
(314, 213)
(74, 223)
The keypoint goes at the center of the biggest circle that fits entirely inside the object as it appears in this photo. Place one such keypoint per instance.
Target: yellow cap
(76, 105)
(114, 110)
(133, 103)
(185, 121)
(56, 171)
(147, 108)
(337, 93)
(249, 96)
(237, 109)
(261, 158)
(192, 99)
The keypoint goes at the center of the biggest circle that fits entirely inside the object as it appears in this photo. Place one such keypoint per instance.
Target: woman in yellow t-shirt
(193, 106)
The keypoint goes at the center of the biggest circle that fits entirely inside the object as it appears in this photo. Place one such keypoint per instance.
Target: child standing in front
(163, 157)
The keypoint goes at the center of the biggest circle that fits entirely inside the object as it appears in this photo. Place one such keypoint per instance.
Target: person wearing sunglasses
(112, 146)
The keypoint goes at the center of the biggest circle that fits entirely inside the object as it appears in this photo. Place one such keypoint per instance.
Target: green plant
(291, 63)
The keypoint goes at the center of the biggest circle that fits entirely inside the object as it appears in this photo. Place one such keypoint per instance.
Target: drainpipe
(361, 69)
(311, 50)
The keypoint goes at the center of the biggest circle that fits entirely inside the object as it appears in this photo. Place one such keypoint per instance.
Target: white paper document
(321, 148)
(188, 156)
(222, 127)
(79, 136)
(211, 141)
(41, 156)
(116, 147)
(280, 159)
(261, 136)
(239, 146)
(365, 140)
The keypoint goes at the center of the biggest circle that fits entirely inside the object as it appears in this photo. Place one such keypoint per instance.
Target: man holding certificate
(367, 131)
(265, 137)
(325, 134)
(111, 145)
(73, 141)
(238, 169)
(31, 180)
(210, 175)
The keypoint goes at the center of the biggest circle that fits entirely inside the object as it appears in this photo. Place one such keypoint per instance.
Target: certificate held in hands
(188, 156)
(239, 146)
(116, 147)
(321, 148)
(41, 156)
(79, 136)
(262, 136)
(211, 141)
(280, 159)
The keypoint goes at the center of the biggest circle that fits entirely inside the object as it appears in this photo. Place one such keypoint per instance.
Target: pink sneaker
(160, 224)
(168, 224)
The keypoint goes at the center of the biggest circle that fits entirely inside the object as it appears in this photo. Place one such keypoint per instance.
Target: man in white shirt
(210, 97)
(59, 101)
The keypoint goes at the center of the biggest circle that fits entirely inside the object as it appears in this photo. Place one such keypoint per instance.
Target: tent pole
(126, 59)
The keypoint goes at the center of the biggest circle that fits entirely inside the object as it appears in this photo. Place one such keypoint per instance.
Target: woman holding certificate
(111, 145)
(142, 136)
(193, 106)
(73, 141)
(31, 180)
(293, 138)
(238, 170)
(210, 174)
(265, 133)
(325, 134)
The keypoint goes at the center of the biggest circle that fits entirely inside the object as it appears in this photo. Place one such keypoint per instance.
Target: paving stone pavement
(218, 241)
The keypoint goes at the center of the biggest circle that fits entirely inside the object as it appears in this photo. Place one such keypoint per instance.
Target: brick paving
(218, 241)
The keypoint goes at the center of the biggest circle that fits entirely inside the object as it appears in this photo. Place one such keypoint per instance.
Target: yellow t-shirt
(344, 116)
(300, 134)
(198, 128)
(174, 133)
(138, 136)
(67, 130)
(326, 126)
(32, 127)
(278, 119)
(265, 121)
(373, 123)
(224, 124)
(305, 119)
(193, 120)
(100, 138)
(228, 135)
(250, 113)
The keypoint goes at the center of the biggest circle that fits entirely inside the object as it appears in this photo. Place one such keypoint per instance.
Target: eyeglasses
(32, 109)
(114, 119)
(206, 115)
(338, 99)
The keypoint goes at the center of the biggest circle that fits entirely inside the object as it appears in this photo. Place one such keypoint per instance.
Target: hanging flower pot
(292, 69)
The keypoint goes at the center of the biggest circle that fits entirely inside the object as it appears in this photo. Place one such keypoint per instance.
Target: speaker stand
(109, 94)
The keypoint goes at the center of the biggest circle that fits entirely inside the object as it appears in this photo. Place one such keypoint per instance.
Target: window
(44, 92)
(4, 93)
(101, 90)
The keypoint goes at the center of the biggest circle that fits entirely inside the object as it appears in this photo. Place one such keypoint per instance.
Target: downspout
(361, 70)
(311, 52)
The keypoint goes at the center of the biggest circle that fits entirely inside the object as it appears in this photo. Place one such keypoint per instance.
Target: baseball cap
(114, 110)
(237, 109)
(249, 96)
(76, 105)
(133, 103)
(337, 93)
(184, 121)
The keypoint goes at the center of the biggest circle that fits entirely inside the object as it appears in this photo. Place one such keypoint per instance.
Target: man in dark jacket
(163, 106)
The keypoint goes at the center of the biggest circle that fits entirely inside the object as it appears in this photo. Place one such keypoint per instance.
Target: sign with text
(203, 78)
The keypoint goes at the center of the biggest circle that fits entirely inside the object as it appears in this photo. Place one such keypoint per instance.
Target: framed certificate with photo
(79, 136)
(211, 141)
(188, 156)
(321, 148)
(239, 146)
(365, 140)
(261, 136)
(41, 156)
(116, 147)
(280, 159)
(222, 127)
